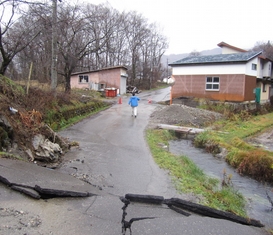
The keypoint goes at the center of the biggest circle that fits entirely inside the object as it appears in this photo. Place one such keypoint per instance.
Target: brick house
(235, 75)
(111, 77)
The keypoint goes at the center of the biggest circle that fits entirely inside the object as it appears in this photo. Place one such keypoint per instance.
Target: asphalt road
(114, 157)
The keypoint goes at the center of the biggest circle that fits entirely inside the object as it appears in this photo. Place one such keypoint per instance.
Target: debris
(187, 130)
(45, 150)
(13, 110)
(132, 89)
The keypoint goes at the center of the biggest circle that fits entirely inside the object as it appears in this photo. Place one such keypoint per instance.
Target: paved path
(115, 158)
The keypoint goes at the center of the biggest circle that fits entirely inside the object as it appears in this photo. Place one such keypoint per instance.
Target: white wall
(227, 50)
(267, 71)
(249, 70)
(219, 69)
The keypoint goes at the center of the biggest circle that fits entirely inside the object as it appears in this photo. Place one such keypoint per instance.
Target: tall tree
(79, 36)
(13, 39)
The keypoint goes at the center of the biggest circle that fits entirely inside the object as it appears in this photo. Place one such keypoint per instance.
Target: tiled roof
(220, 58)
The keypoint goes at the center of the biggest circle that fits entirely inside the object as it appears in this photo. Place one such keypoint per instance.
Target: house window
(213, 83)
(83, 78)
(264, 87)
(254, 67)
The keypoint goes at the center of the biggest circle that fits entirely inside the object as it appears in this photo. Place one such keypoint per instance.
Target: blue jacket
(133, 101)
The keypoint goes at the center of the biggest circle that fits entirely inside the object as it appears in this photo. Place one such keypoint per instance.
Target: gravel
(182, 115)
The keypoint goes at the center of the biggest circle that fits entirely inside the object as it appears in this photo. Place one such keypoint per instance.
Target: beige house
(99, 80)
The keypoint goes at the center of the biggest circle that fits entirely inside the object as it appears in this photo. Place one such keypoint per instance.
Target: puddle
(258, 205)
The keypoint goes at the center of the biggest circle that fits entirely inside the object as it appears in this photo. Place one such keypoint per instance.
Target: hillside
(28, 121)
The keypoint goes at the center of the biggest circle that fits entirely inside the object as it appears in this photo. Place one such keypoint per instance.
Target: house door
(258, 95)
(122, 85)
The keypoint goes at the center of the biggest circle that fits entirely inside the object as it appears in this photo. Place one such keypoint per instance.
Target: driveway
(112, 156)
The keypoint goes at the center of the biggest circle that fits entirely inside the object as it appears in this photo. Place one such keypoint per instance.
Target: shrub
(258, 165)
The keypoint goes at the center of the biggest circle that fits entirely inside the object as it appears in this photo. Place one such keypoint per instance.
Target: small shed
(112, 77)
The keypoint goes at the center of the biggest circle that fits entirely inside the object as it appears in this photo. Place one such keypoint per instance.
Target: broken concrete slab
(145, 198)
(28, 191)
(211, 212)
(46, 182)
(177, 204)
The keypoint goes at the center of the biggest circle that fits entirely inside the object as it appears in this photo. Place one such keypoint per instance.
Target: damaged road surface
(39, 182)
(98, 188)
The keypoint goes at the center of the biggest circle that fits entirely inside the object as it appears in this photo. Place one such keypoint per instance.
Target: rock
(223, 153)
(6, 133)
(45, 150)
(30, 155)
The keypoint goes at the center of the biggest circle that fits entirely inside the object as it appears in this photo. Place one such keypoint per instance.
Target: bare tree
(195, 53)
(266, 47)
(79, 36)
(38, 50)
(91, 37)
(13, 39)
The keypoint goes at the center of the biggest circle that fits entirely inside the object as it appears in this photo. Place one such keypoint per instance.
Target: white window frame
(83, 78)
(254, 66)
(212, 83)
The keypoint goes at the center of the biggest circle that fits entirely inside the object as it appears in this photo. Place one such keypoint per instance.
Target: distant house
(235, 75)
(112, 77)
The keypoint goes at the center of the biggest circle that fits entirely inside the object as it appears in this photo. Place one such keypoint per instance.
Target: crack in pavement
(127, 224)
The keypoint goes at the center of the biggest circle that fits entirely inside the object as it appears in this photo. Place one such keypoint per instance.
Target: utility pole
(54, 47)
(167, 68)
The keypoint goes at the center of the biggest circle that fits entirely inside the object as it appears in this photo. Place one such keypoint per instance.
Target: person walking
(134, 103)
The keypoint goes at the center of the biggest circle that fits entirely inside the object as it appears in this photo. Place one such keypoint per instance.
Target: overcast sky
(201, 24)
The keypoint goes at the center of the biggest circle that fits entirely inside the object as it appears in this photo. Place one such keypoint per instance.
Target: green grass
(65, 123)
(188, 178)
(10, 156)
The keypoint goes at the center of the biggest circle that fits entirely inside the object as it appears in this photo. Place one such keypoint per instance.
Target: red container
(110, 92)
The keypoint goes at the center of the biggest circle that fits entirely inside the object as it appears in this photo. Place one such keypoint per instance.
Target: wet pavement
(114, 159)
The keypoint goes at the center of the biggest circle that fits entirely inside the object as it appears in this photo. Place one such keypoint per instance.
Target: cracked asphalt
(114, 157)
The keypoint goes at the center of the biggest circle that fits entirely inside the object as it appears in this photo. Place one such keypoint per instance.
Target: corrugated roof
(97, 70)
(220, 58)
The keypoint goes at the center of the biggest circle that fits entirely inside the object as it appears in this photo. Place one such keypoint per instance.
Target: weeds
(226, 181)
(188, 178)
(31, 118)
(248, 159)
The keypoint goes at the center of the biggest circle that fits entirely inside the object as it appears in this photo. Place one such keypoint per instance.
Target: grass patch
(10, 156)
(59, 120)
(188, 178)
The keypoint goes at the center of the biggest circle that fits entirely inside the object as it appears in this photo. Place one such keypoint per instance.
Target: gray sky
(201, 24)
